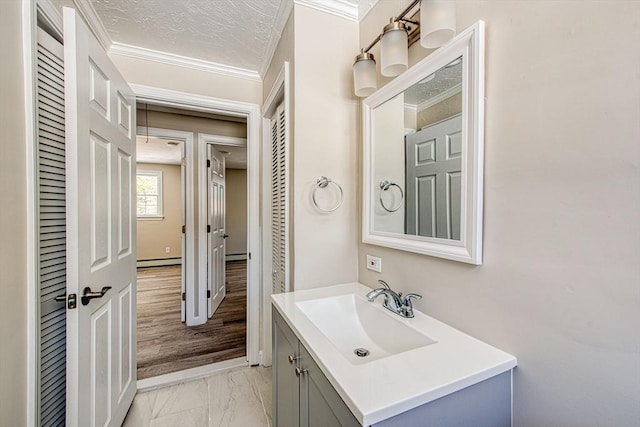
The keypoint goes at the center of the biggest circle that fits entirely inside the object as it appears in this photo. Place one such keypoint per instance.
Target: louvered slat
(52, 229)
(278, 202)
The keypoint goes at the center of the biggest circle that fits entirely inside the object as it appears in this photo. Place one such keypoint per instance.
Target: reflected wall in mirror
(423, 155)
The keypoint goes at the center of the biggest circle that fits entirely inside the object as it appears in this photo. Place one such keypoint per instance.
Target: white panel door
(216, 229)
(100, 139)
(434, 174)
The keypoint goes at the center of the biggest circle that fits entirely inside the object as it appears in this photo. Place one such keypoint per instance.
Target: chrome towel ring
(384, 186)
(323, 182)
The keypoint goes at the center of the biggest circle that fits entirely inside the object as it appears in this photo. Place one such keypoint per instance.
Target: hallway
(166, 345)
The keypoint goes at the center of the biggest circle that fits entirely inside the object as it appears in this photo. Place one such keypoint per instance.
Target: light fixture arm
(400, 17)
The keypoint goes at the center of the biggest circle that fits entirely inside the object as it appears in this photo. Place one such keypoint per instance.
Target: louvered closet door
(279, 211)
(52, 230)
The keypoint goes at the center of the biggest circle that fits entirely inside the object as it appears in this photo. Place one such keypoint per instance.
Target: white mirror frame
(470, 45)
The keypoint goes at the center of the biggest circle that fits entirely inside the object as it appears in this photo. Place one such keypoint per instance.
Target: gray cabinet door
(320, 404)
(286, 391)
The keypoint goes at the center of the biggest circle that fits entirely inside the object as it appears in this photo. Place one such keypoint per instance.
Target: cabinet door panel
(286, 392)
(320, 404)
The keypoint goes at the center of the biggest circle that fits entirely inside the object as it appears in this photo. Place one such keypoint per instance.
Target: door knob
(300, 372)
(224, 236)
(88, 294)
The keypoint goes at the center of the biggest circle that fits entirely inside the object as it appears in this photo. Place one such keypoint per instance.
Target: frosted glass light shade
(437, 22)
(365, 80)
(394, 53)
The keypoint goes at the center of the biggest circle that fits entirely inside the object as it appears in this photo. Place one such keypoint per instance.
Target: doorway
(167, 343)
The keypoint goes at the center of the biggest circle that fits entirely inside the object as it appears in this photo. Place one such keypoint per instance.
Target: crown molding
(282, 17)
(182, 61)
(94, 22)
(339, 8)
(364, 7)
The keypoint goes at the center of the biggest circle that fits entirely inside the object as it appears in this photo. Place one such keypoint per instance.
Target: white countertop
(387, 387)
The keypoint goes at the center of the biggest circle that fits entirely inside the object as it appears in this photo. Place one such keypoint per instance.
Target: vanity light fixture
(438, 22)
(394, 48)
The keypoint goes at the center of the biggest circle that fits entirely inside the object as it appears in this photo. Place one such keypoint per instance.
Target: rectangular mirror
(423, 154)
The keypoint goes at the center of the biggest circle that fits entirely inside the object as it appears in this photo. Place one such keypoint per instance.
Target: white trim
(282, 16)
(232, 141)
(340, 8)
(278, 92)
(235, 257)
(470, 45)
(52, 17)
(252, 113)
(29, 40)
(158, 262)
(364, 7)
(182, 61)
(191, 101)
(190, 226)
(91, 17)
(190, 374)
(158, 174)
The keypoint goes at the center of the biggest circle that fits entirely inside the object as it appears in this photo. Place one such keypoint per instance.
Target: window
(149, 193)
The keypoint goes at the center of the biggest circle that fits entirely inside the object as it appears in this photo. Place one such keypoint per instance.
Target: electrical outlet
(167, 250)
(374, 263)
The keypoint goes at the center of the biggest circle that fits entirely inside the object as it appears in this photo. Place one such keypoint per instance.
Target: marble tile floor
(239, 397)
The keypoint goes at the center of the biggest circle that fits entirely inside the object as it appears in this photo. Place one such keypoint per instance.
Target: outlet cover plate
(374, 263)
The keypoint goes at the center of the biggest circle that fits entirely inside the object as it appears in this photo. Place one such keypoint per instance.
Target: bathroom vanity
(341, 360)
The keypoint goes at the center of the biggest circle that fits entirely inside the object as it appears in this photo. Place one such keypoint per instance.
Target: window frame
(157, 173)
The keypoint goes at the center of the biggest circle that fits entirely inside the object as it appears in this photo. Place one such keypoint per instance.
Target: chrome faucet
(394, 301)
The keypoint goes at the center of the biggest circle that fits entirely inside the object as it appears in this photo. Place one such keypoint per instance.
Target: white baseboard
(235, 257)
(158, 262)
(189, 374)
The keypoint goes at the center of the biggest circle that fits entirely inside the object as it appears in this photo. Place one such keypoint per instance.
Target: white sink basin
(351, 322)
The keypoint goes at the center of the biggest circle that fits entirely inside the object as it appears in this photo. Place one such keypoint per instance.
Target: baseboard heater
(159, 262)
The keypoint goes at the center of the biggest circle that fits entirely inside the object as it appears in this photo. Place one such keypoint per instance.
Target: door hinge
(184, 296)
(208, 163)
(249, 256)
(72, 301)
(184, 229)
(208, 293)
(208, 229)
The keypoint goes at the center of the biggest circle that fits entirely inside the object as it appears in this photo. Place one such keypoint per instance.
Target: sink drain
(361, 352)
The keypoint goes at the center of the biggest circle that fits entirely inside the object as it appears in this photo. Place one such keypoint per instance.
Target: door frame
(251, 112)
(189, 285)
(51, 19)
(279, 92)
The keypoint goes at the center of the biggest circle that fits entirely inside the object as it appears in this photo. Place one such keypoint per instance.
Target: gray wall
(560, 283)
(13, 277)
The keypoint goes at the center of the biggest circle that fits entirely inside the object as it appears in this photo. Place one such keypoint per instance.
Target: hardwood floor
(165, 344)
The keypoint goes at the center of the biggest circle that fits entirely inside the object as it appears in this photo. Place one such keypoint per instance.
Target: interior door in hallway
(434, 180)
(101, 233)
(216, 289)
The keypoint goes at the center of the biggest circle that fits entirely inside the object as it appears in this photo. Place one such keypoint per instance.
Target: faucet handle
(407, 298)
(384, 284)
(407, 307)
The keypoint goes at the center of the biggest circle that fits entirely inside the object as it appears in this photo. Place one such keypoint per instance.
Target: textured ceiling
(235, 33)
(228, 32)
(444, 79)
